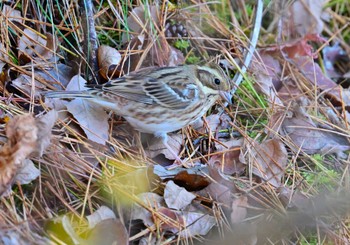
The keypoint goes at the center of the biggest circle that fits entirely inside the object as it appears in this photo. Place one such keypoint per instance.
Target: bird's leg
(164, 138)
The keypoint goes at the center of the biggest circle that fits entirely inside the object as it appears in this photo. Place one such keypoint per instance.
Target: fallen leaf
(57, 76)
(289, 91)
(4, 58)
(24, 84)
(239, 210)
(222, 179)
(219, 193)
(92, 118)
(331, 55)
(267, 71)
(137, 18)
(24, 138)
(185, 224)
(151, 200)
(231, 160)
(108, 59)
(269, 161)
(12, 14)
(27, 172)
(156, 50)
(213, 122)
(311, 139)
(292, 199)
(197, 224)
(110, 231)
(101, 214)
(177, 197)
(313, 72)
(157, 146)
(176, 57)
(32, 46)
(169, 220)
(295, 48)
(306, 17)
(191, 182)
(45, 124)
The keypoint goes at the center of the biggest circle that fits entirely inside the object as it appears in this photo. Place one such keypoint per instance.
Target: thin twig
(90, 39)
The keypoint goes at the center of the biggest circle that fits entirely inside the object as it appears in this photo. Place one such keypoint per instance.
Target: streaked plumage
(159, 100)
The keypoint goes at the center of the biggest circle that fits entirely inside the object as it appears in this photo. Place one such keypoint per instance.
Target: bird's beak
(227, 96)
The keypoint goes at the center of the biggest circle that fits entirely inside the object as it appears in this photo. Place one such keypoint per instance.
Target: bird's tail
(68, 94)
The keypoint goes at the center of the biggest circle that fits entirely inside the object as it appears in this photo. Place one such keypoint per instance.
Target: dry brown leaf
(156, 50)
(32, 46)
(24, 84)
(267, 71)
(11, 14)
(305, 17)
(177, 197)
(310, 138)
(157, 146)
(292, 199)
(22, 135)
(151, 200)
(332, 55)
(45, 124)
(110, 231)
(239, 210)
(185, 224)
(231, 161)
(27, 172)
(137, 19)
(92, 118)
(4, 58)
(295, 48)
(24, 138)
(213, 122)
(58, 76)
(191, 182)
(169, 220)
(101, 214)
(197, 224)
(219, 193)
(313, 72)
(269, 161)
(108, 60)
(289, 91)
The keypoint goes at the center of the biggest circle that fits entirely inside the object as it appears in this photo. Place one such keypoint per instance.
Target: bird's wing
(149, 86)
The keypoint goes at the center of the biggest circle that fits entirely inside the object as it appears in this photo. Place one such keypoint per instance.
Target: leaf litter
(96, 168)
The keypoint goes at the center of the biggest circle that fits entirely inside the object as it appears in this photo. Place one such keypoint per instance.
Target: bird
(159, 100)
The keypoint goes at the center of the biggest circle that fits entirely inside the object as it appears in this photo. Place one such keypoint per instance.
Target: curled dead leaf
(108, 60)
(26, 135)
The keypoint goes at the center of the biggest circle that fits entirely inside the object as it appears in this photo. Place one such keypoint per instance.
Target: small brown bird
(159, 100)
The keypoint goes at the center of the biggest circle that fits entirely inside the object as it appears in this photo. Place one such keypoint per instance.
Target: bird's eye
(217, 81)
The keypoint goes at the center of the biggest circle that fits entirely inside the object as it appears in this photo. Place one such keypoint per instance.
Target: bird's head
(215, 81)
